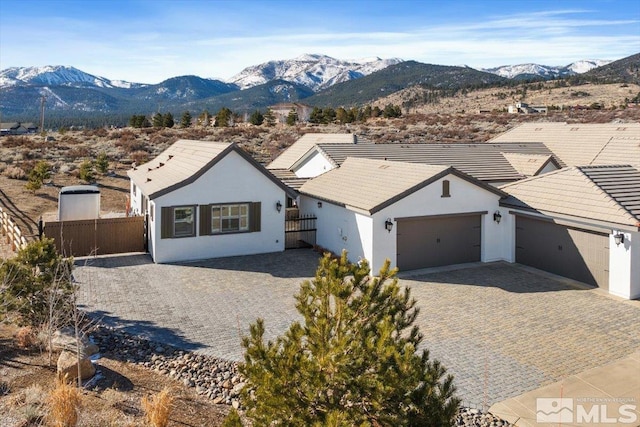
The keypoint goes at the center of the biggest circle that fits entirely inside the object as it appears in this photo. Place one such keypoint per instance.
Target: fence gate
(300, 232)
(97, 236)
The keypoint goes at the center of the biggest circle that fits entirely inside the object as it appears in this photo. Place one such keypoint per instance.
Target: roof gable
(305, 143)
(485, 162)
(530, 164)
(372, 185)
(609, 194)
(184, 162)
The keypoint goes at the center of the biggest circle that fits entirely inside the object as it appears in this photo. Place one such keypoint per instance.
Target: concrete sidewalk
(614, 388)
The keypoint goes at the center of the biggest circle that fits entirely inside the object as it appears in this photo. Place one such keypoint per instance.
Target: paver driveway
(500, 329)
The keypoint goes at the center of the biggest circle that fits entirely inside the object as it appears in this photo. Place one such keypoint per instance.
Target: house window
(445, 188)
(177, 221)
(184, 221)
(229, 218)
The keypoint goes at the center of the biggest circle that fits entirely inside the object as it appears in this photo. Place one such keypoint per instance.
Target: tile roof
(529, 164)
(372, 185)
(288, 178)
(485, 162)
(299, 148)
(609, 194)
(183, 162)
(582, 144)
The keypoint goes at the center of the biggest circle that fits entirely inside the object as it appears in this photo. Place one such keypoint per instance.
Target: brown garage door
(432, 242)
(575, 253)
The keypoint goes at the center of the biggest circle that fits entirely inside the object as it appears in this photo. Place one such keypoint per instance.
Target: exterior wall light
(319, 204)
(278, 206)
(497, 217)
(388, 225)
(619, 238)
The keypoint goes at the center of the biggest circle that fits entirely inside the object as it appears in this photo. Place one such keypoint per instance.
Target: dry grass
(25, 337)
(157, 407)
(64, 402)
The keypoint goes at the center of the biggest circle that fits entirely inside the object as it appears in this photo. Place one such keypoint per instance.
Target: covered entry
(571, 252)
(434, 241)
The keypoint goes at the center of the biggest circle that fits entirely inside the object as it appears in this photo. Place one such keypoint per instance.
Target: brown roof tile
(582, 144)
(609, 194)
(371, 185)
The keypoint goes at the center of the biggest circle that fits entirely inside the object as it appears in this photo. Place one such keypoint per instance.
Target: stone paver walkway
(500, 329)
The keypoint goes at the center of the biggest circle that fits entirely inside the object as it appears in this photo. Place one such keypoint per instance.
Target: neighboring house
(580, 144)
(416, 215)
(208, 199)
(12, 128)
(491, 163)
(30, 127)
(281, 111)
(582, 223)
(523, 108)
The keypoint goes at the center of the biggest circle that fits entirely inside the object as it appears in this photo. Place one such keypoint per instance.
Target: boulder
(65, 339)
(68, 366)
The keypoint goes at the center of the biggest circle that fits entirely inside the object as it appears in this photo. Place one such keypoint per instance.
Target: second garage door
(575, 253)
(436, 241)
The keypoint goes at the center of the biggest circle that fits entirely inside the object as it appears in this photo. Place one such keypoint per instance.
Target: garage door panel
(578, 254)
(432, 242)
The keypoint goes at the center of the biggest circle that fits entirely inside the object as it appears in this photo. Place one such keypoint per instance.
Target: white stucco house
(582, 223)
(416, 215)
(208, 199)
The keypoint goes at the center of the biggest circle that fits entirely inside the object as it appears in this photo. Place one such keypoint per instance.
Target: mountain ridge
(317, 79)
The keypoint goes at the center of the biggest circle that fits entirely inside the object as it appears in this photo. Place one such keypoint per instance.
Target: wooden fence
(11, 232)
(97, 236)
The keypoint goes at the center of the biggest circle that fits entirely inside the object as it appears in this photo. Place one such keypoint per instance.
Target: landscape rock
(68, 366)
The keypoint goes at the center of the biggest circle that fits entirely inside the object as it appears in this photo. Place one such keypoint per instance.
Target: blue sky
(149, 41)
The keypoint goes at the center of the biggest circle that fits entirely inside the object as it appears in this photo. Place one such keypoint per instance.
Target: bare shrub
(14, 172)
(157, 407)
(78, 152)
(140, 157)
(25, 337)
(15, 141)
(64, 402)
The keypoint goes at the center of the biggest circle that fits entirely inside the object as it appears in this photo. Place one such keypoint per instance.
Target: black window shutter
(255, 216)
(166, 223)
(205, 220)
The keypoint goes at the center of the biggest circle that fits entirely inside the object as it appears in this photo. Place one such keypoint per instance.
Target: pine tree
(351, 362)
(38, 175)
(185, 121)
(223, 117)
(167, 120)
(86, 171)
(256, 118)
(158, 120)
(316, 115)
(102, 162)
(292, 117)
(269, 118)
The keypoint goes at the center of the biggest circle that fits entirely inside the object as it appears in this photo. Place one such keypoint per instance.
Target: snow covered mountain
(58, 75)
(545, 71)
(316, 72)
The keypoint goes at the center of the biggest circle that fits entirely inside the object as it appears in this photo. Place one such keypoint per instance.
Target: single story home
(515, 202)
(582, 223)
(414, 214)
(208, 199)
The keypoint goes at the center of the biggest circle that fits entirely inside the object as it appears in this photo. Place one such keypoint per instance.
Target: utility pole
(43, 99)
